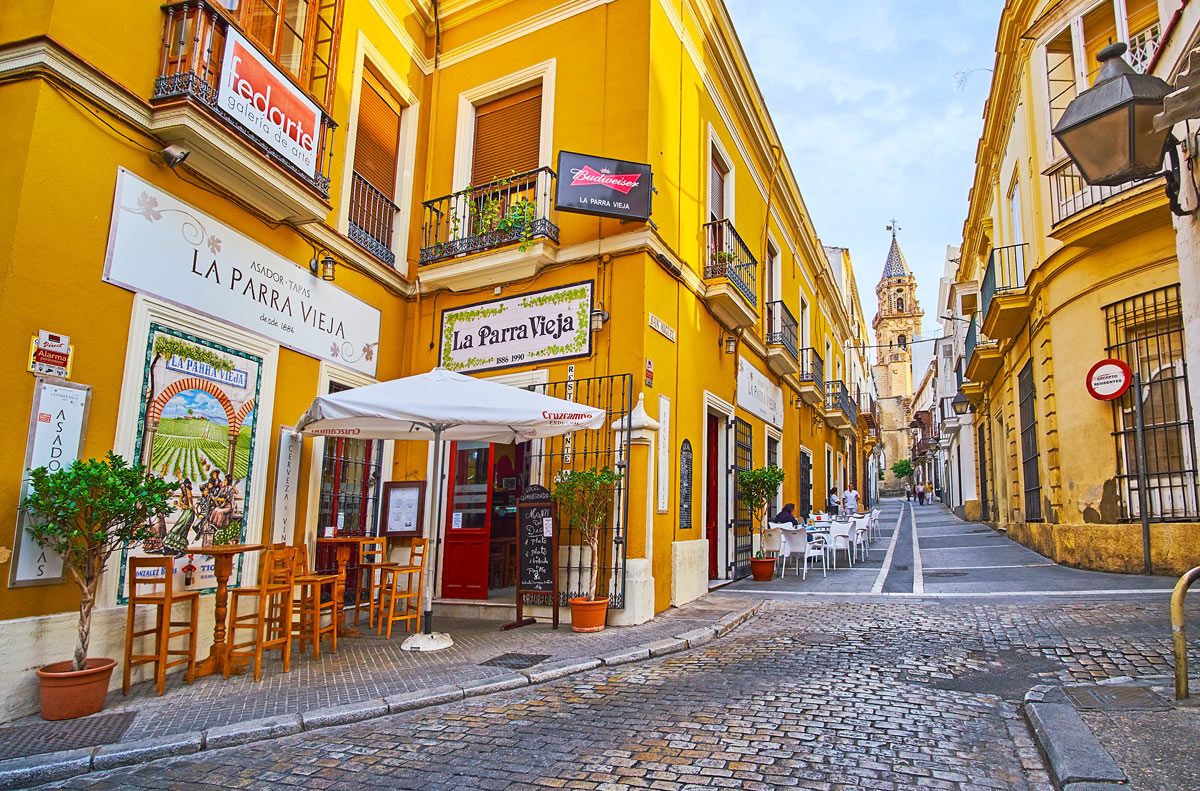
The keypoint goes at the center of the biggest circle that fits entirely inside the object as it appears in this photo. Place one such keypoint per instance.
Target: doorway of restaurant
(712, 494)
(481, 520)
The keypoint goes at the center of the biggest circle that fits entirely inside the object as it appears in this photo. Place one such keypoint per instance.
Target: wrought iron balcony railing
(193, 47)
(972, 336)
(812, 367)
(781, 327)
(371, 218)
(1005, 272)
(838, 397)
(519, 208)
(1070, 194)
(729, 258)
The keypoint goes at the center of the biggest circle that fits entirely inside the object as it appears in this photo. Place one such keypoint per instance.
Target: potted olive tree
(84, 513)
(583, 498)
(756, 488)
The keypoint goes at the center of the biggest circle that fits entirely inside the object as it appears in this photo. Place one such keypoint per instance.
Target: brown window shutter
(377, 146)
(716, 190)
(507, 136)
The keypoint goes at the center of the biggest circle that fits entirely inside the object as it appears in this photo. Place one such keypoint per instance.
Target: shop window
(507, 136)
(298, 35)
(685, 485)
(350, 478)
(376, 161)
(1030, 476)
(1146, 331)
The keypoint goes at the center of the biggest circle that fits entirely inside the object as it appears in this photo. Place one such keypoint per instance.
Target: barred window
(685, 485)
(1030, 474)
(1146, 332)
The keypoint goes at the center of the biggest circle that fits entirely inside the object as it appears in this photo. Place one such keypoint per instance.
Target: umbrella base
(427, 642)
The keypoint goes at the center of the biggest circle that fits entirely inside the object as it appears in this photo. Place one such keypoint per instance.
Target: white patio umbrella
(440, 406)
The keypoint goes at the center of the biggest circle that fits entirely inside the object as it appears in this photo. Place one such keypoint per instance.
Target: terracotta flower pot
(763, 569)
(67, 693)
(588, 616)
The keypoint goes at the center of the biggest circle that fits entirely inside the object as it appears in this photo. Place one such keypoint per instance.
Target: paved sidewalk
(369, 668)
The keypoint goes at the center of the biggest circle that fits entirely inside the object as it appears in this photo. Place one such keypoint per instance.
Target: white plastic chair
(874, 522)
(772, 539)
(805, 550)
(860, 535)
(839, 539)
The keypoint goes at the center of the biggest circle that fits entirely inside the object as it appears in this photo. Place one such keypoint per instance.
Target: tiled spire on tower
(895, 266)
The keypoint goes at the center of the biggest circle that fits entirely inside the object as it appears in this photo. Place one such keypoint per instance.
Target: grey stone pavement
(826, 688)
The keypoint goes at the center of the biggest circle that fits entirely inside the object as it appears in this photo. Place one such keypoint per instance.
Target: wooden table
(343, 546)
(222, 555)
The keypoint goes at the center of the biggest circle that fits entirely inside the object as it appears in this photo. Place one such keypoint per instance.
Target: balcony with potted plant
(730, 276)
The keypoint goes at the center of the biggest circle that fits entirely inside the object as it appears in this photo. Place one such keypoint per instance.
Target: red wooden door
(711, 502)
(468, 521)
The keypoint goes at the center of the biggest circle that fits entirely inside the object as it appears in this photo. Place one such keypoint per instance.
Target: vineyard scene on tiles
(197, 430)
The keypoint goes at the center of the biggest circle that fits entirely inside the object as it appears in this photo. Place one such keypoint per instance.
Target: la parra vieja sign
(604, 187)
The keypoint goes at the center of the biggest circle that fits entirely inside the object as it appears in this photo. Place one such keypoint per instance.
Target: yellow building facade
(221, 253)
(1058, 275)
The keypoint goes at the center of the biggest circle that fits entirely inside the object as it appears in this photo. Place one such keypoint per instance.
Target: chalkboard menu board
(535, 539)
(537, 551)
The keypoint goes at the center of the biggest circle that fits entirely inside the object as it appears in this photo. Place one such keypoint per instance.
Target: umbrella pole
(431, 579)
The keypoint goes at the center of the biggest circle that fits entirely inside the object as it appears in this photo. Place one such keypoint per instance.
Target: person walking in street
(850, 500)
(908, 492)
(920, 494)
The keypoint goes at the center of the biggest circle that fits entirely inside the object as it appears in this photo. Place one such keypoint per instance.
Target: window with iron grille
(804, 501)
(983, 475)
(685, 485)
(1030, 476)
(743, 521)
(776, 505)
(350, 476)
(1146, 332)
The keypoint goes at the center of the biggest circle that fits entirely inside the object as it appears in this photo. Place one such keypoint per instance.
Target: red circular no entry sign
(1109, 379)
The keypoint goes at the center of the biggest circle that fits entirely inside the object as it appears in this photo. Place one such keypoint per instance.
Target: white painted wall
(689, 570)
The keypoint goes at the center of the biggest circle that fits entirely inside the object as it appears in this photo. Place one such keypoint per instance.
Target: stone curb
(1075, 757)
(50, 767)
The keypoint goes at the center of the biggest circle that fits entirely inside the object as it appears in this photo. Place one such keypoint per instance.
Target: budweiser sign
(604, 187)
(258, 96)
(621, 183)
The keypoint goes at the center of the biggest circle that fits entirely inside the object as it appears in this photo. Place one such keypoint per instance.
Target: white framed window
(1016, 226)
(774, 284)
(803, 321)
(517, 87)
(719, 166)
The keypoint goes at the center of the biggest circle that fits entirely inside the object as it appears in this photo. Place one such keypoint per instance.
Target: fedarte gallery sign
(606, 187)
(531, 328)
(160, 245)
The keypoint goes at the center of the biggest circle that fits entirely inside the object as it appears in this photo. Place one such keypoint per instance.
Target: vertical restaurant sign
(758, 395)
(287, 484)
(56, 429)
(532, 328)
(160, 245)
(259, 97)
(605, 187)
(664, 454)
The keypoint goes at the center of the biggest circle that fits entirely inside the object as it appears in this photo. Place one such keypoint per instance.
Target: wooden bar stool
(271, 622)
(159, 577)
(372, 557)
(308, 608)
(390, 592)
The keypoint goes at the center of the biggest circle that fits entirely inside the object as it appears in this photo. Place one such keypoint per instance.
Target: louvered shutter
(507, 136)
(716, 190)
(378, 143)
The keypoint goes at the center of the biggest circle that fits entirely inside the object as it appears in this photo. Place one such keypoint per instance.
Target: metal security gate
(583, 450)
(1030, 476)
(983, 476)
(743, 521)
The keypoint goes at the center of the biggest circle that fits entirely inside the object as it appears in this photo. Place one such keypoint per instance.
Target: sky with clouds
(866, 97)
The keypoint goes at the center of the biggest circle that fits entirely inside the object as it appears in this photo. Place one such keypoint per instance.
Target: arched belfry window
(685, 485)
(900, 304)
(903, 342)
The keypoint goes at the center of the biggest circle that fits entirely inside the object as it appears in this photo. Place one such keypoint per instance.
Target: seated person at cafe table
(788, 516)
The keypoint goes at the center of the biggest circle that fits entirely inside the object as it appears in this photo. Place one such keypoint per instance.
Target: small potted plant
(84, 513)
(756, 488)
(583, 498)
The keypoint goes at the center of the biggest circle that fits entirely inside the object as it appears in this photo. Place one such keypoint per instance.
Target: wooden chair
(391, 594)
(307, 605)
(271, 622)
(372, 557)
(163, 597)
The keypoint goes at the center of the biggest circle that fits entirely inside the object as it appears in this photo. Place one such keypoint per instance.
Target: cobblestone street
(829, 692)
